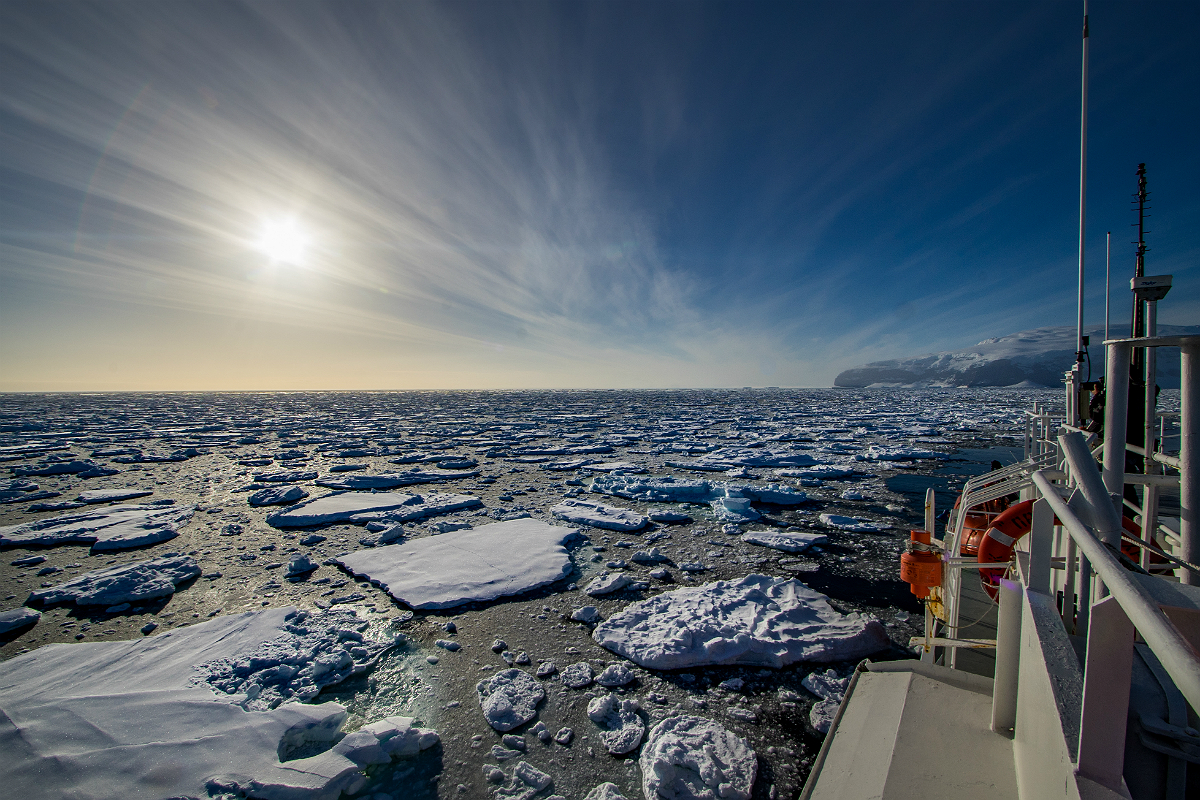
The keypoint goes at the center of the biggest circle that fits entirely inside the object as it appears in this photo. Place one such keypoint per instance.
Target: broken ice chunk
(756, 620)
(690, 758)
(622, 728)
(577, 675)
(509, 698)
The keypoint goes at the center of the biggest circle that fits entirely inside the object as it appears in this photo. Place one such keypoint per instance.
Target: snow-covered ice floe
(853, 524)
(111, 495)
(105, 528)
(787, 541)
(365, 506)
(17, 618)
(477, 564)
(690, 758)
(139, 718)
(757, 620)
(621, 728)
(392, 480)
(883, 453)
(123, 583)
(582, 512)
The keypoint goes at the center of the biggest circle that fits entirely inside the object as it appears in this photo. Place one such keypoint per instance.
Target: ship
(1061, 648)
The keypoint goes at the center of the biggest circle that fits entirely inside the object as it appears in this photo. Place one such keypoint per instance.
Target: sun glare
(283, 241)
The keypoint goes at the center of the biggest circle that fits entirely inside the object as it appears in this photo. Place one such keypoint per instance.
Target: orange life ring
(976, 523)
(997, 545)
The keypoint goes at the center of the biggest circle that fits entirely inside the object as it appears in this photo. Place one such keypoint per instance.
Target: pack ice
(757, 620)
(139, 719)
(484, 563)
(392, 480)
(108, 528)
(364, 506)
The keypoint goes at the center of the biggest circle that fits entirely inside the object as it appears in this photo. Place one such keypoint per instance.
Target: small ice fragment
(577, 675)
(546, 669)
(622, 728)
(733, 684)
(564, 736)
(605, 791)
(499, 646)
(615, 675)
(448, 644)
(509, 699)
(587, 614)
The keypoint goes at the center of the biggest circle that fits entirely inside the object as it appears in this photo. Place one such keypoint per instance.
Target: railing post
(1107, 671)
(1189, 460)
(1041, 547)
(1116, 412)
(1008, 657)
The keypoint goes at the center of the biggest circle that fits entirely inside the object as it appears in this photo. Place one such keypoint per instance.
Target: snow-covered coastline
(1029, 359)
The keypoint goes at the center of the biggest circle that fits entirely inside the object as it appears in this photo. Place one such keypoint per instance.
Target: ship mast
(1074, 400)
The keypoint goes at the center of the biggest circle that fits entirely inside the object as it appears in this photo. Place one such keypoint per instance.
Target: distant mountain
(1030, 358)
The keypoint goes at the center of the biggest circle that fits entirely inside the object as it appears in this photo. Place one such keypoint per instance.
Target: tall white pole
(1107, 275)
(1082, 184)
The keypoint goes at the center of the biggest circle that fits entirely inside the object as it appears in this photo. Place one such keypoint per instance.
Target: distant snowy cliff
(1029, 358)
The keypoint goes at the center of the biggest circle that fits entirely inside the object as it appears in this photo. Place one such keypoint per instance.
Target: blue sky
(596, 194)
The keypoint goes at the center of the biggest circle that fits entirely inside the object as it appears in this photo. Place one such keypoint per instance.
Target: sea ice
(690, 758)
(124, 583)
(621, 727)
(582, 512)
(525, 782)
(363, 506)
(854, 524)
(477, 564)
(609, 582)
(16, 619)
(757, 620)
(831, 688)
(586, 614)
(509, 698)
(605, 791)
(83, 469)
(577, 675)
(615, 675)
(111, 495)
(788, 542)
(138, 719)
(106, 528)
(392, 480)
(277, 496)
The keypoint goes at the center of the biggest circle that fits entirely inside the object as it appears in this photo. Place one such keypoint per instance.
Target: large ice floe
(366, 506)
(105, 528)
(852, 524)
(140, 719)
(757, 620)
(123, 583)
(690, 758)
(582, 512)
(392, 480)
(484, 563)
(787, 541)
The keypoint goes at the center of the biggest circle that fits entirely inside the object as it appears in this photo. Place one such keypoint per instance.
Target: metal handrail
(1176, 654)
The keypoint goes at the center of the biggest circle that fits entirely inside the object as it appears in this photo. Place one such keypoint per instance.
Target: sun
(283, 241)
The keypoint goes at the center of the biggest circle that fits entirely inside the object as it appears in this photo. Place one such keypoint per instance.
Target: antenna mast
(1079, 351)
